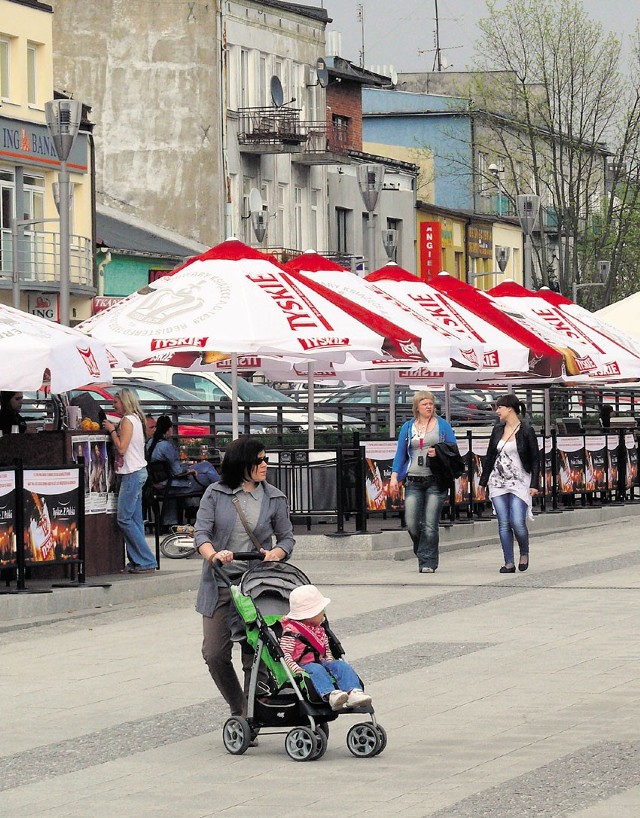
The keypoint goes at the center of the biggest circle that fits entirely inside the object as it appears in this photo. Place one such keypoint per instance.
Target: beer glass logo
(166, 305)
(89, 361)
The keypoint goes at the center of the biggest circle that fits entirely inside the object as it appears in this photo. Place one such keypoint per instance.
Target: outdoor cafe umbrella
(235, 300)
(623, 315)
(36, 352)
(592, 350)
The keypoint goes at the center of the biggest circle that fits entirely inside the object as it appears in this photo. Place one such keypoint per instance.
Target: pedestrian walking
(241, 513)
(511, 472)
(426, 486)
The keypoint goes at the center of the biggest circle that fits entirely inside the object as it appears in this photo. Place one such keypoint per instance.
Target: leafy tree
(565, 122)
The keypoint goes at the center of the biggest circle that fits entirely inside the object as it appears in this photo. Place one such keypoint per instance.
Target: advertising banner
(595, 463)
(50, 498)
(462, 487)
(612, 450)
(99, 473)
(479, 452)
(631, 472)
(570, 464)
(8, 551)
(379, 456)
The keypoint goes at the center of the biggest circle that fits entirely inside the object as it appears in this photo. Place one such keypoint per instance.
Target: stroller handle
(242, 557)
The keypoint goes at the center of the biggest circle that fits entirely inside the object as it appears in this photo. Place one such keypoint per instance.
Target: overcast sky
(394, 31)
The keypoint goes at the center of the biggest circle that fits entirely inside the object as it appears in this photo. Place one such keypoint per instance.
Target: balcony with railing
(326, 144)
(270, 130)
(38, 257)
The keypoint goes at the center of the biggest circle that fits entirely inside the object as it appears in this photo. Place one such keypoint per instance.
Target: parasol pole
(392, 404)
(235, 427)
(311, 406)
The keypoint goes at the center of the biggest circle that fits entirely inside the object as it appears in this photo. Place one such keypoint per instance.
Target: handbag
(243, 520)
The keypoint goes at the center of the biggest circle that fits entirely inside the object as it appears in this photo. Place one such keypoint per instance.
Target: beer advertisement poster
(379, 456)
(8, 553)
(612, 448)
(631, 471)
(51, 515)
(546, 465)
(478, 455)
(93, 450)
(462, 487)
(595, 463)
(570, 458)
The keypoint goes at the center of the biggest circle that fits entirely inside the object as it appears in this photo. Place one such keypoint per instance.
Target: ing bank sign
(28, 143)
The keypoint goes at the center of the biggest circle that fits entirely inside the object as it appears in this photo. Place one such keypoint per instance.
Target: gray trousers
(216, 650)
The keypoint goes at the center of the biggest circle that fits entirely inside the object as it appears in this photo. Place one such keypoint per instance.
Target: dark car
(467, 407)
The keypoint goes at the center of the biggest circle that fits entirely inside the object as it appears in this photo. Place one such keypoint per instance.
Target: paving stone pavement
(501, 697)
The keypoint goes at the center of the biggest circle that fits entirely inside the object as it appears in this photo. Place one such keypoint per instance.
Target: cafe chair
(157, 491)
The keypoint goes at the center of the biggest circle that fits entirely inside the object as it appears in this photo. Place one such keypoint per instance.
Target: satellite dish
(322, 72)
(393, 75)
(277, 94)
(255, 200)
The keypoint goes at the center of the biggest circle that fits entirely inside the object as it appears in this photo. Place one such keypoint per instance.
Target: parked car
(466, 407)
(215, 387)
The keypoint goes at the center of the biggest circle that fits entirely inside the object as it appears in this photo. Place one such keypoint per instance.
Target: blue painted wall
(441, 124)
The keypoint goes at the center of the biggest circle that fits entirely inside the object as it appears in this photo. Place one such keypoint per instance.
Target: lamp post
(603, 275)
(496, 171)
(370, 179)
(528, 207)
(63, 121)
(502, 257)
(390, 243)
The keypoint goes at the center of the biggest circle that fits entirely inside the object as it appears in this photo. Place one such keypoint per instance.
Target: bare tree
(566, 123)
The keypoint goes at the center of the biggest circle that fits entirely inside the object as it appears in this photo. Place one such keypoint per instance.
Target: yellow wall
(22, 25)
(422, 158)
(453, 242)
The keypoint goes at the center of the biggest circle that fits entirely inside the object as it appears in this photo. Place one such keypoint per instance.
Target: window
(4, 68)
(298, 217)
(280, 211)
(342, 234)
(396, 224)
(244, 79)
(482, 173)
(340, 129)
(32, 74)
(313, 221)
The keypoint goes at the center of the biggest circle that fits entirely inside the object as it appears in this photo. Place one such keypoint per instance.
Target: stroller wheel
(363, 740)
(322, 738)
(302, 744)
(383, 738)
(236, 735)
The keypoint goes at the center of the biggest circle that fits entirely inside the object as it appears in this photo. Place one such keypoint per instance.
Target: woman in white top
(512, 471)
(131, 466)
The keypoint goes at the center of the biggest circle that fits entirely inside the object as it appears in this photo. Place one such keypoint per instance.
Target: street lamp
(528, 208)
(496, 171)
(63, 121)
(603, 275)
(502, 257)
(370, 179)
(390, 243)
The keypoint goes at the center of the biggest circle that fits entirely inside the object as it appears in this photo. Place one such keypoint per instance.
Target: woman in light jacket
(423, 497)
(219, 534)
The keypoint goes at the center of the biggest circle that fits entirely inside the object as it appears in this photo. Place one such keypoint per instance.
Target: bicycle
(179, 544)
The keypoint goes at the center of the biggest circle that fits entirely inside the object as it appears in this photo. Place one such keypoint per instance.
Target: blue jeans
(345, 676)
(422, 508)
(512, 512)
(130, 519)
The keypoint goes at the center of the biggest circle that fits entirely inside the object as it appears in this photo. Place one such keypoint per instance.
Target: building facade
(29, 231)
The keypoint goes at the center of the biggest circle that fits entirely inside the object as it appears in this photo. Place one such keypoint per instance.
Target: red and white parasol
(37, 352)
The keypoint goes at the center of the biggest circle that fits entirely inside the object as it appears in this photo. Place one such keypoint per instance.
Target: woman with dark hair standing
(234, 512)
(512, 471)
(131, 466)
(10, 417)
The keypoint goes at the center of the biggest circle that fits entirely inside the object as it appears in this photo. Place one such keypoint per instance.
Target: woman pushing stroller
(306, 647)
(240, 514)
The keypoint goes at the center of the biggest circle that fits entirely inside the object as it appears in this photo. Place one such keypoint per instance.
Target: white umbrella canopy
(623, 315)
(599, 351)
(37, 352)
(502, 353)
(235, 300)
(442, 348)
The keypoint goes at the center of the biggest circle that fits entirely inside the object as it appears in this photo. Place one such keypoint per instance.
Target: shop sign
(479, 241)
(44, 305)
(156, 273)
(29, 143)
(103, 302)
(430, 250)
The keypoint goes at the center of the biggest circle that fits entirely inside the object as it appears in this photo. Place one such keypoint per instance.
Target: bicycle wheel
(178, 546)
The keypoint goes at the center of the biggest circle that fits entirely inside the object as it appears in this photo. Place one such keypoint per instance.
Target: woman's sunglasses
(260, 460)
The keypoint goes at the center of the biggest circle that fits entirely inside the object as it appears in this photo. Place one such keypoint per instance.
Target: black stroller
(276, 698)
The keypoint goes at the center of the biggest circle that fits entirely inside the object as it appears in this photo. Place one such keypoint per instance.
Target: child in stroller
(306, 649)
(277, 696)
